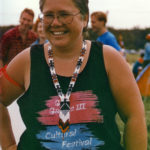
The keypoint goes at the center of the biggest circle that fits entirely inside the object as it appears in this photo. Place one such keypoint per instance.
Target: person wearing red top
(17, 38)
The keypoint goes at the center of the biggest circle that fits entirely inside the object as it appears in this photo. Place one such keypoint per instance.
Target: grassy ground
(131, 58)
(147, 113)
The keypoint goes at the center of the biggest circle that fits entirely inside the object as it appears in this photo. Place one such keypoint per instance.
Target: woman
(78, 112)
(38, 28)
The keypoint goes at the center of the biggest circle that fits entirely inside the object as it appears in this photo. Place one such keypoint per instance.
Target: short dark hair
(29, 11)
(101, 16)
(82, 5)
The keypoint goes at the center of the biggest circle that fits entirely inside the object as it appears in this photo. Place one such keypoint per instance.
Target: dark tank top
(92, 108)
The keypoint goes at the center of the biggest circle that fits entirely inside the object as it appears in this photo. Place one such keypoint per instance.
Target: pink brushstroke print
(82, 109)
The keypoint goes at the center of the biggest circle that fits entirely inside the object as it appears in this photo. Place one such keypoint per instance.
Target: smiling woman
(66, 19)
(72, 89)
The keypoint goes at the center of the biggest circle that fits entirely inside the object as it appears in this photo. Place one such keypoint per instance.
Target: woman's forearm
(135, 136)
(6, 135)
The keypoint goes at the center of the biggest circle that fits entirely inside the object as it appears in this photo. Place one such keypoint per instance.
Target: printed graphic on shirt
(78, 138)
(82, 111)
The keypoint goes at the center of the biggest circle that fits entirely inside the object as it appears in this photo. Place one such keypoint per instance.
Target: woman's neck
(69, 51)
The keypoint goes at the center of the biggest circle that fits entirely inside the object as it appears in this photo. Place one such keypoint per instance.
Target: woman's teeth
(58, 33)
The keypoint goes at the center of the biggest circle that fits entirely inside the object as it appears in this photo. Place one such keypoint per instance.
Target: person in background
(147, 51)
(38, 28)
(18, 38)
(71, 89)
(98, 22)
(120, 41)
(121, 44)
(137, 66)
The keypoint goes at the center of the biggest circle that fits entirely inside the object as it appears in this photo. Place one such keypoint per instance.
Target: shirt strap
(3, 72)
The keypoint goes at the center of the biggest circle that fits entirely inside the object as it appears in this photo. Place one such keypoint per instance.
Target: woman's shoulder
(18, 67)
(14, 79)
(111, 53)
(112, 58)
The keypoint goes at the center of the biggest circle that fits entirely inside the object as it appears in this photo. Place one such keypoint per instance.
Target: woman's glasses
(64, 18)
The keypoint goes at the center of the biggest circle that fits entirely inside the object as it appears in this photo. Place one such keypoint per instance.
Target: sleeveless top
(92, 106)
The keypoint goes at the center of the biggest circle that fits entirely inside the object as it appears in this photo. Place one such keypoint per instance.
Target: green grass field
(131, 58)
(147, 113)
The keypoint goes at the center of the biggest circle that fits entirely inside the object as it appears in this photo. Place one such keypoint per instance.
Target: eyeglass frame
(41, 16)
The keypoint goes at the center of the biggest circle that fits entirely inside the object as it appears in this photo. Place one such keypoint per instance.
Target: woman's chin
(59, 43)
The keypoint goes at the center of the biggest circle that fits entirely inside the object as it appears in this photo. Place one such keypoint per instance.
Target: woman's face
(40, 30)
(58, 33)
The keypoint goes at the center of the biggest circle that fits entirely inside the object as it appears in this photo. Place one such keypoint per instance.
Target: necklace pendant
(64, 115)
(64, 126)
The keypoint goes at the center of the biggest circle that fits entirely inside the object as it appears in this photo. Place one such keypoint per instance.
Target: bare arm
(17, 71)
(128, 100)
(7, 139)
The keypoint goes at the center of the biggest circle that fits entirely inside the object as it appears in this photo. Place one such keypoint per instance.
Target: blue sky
(122, 13)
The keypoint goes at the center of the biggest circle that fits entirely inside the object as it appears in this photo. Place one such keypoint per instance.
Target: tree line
(132, 38)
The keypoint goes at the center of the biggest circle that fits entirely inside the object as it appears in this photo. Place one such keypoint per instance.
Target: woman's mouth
(58, 33)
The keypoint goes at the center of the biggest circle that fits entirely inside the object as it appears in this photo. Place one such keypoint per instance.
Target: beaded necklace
(64, 114)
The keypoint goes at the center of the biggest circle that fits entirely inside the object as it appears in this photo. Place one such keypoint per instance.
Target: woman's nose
(56, 21)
